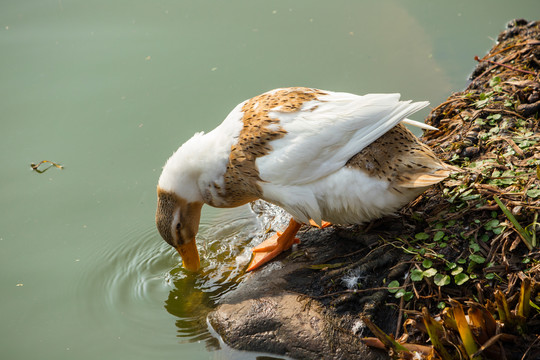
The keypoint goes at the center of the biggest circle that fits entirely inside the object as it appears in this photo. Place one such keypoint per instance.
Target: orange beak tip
(190, 256)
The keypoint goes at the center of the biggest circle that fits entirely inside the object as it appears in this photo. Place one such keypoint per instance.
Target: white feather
(202, 160)
(347, 196)
(327, 132)
(418, 124)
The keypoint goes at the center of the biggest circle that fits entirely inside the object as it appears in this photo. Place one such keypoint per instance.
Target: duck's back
(324, 155)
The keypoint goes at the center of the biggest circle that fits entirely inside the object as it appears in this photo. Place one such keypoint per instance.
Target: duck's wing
(325, 132)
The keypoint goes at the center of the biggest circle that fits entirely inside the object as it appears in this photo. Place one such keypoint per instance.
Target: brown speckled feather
(259, 129)
(400, 158)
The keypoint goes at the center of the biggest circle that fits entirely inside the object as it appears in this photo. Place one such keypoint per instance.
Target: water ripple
(142, 275)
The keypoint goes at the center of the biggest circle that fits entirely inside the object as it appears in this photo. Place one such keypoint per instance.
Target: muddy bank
(455, 241)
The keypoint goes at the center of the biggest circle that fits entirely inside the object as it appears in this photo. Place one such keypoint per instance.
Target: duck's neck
(200, 163)
(213, 156)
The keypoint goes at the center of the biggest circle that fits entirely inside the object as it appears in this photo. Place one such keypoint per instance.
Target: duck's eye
(178, 226)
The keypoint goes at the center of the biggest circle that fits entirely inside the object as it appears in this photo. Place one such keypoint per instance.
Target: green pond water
(110, 88)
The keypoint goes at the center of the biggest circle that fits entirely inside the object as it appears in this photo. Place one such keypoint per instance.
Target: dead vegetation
(471, 252)
(36, 168)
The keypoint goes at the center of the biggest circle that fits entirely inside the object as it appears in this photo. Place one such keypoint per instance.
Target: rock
(285, 325)
(274, 310)
(264, 314)
(470, 152)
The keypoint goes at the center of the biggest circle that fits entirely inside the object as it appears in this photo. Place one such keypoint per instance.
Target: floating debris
(35, 167)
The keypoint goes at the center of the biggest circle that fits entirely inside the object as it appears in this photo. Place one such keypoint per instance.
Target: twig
(401, 303)
(529, 348)
(506, 66)
(511, 143)
(493, 340)
(506, 48)
(508, 58)
(509, 112)
(35, 167)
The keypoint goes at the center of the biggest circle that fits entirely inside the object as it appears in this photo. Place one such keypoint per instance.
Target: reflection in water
(191, 305)
(222, 248)
(225, 252)
(143, 274)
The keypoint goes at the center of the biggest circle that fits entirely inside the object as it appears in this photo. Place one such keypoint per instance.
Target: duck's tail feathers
(419, 180)
(418, 124)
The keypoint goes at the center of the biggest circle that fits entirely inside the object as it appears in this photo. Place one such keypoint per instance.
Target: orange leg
(274, 246)
(323, 224)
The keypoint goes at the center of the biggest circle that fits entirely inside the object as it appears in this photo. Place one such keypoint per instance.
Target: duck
(324, 157)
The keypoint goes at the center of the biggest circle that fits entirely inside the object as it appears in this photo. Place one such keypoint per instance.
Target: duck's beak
(190, 256)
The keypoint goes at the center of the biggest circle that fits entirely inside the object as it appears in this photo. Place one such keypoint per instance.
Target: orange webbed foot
(274, 246)
(323, 225)
(271, 243)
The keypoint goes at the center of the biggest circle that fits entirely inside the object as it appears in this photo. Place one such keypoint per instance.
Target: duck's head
(177, 221)
(179, 205)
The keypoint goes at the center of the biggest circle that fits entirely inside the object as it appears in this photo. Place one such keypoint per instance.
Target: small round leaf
(393, 286)
(461, 278)
(441, 280)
